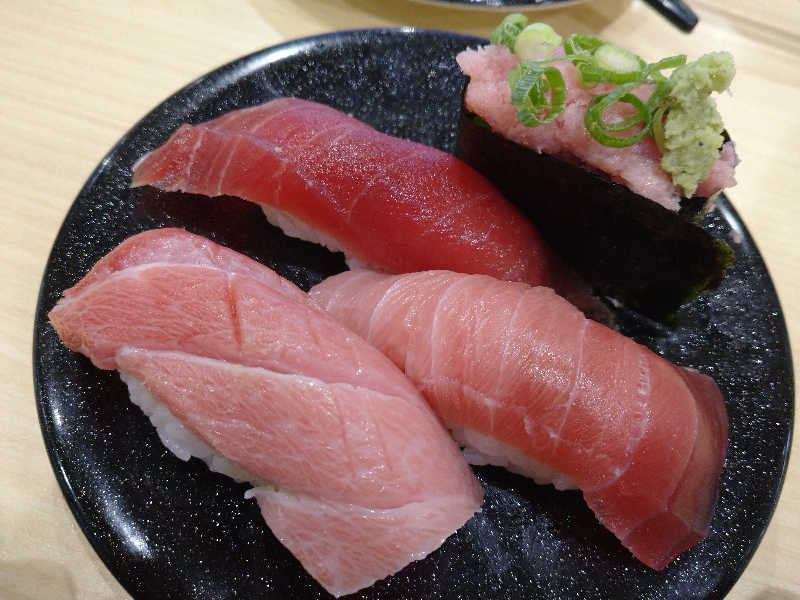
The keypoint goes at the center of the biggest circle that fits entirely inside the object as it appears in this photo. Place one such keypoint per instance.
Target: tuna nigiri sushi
(389, 203)
(525, 381)
(237, 366)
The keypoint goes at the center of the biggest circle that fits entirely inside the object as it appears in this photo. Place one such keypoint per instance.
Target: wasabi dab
(692, 126)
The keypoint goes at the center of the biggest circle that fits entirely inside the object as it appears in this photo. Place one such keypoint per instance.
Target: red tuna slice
(391, 203)
(523, 378)
(313, 414)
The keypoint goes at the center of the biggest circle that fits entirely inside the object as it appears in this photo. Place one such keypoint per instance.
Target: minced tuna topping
(637, 166)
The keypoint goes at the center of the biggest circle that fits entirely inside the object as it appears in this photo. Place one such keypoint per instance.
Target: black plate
(168, 529)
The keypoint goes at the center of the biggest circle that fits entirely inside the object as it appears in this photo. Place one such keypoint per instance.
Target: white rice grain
(483, 450)
(175, 436)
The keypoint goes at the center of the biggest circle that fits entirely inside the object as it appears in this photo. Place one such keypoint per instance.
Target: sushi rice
(176, 437)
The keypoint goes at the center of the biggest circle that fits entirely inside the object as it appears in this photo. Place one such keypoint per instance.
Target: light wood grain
(75, 75)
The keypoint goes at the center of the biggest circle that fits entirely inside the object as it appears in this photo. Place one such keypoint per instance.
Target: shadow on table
(332, 15)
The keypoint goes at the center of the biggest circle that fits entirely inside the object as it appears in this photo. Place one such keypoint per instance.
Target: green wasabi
(692, 134)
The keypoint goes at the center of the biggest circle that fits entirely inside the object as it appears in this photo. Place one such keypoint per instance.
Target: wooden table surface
(76, 74)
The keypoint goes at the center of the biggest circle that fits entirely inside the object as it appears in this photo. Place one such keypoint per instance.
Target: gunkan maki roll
(613, 159)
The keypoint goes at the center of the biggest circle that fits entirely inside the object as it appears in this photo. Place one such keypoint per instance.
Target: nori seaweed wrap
(626, 246)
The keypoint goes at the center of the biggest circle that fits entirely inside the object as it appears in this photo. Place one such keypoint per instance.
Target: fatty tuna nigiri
(237, 366)
(525, 381)
(390, 203)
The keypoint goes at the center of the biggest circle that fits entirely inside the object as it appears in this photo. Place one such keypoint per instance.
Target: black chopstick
(677, 12)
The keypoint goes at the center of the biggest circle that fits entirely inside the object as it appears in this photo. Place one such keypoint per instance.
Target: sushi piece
(523, 380)
(617, 205)
(237, 366)
(388, 203)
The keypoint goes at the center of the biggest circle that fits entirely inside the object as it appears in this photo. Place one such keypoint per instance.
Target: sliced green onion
(508, 30)
(597, 62)
(619, 65)
(600, 130)
(589, 75)
(530, 82)
(618, 60)
(622, 125)
(522, 79)
(536, 42)
(670, 62)
(658, 128)
(660, 89)
(581, 44)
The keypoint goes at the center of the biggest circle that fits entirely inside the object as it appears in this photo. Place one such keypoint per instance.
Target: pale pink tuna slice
(338, 548)
(638, 166)
(263, 377)
(176, 246)
(518, 372)
(390, 203)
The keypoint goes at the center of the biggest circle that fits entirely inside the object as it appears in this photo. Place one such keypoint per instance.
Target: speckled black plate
(168, 529)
